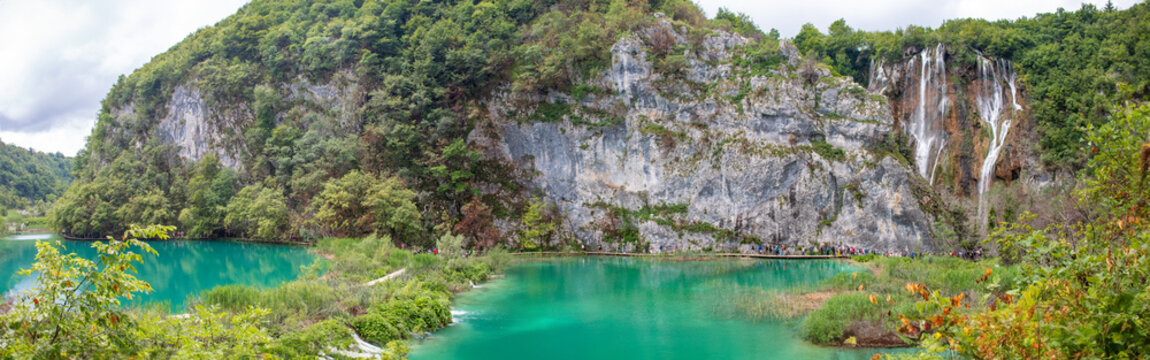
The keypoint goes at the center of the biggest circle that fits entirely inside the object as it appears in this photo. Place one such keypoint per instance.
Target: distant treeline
(28, 177)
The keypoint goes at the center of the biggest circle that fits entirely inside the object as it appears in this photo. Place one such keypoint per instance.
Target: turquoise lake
(628, 308)
(183, 268)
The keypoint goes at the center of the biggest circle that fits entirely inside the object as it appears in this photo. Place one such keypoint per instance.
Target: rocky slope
(782, 158)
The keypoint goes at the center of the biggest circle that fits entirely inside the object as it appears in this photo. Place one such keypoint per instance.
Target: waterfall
(991, 107)
(926, 122)
(993, 112)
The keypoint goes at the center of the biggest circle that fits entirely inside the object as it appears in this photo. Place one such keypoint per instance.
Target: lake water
(183, 267)
(628, 308)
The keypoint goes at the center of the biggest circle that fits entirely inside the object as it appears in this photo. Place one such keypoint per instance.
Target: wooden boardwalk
(685, 255)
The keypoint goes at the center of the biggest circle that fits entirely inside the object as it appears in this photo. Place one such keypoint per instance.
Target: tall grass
(826, 325)
(948, 275)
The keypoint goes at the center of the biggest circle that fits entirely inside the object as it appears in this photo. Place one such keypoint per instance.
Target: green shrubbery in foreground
(76, 312)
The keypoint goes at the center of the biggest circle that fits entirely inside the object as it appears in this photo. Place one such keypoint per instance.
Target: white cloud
(60, 57)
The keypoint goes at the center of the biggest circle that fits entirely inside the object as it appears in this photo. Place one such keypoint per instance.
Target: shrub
(376, 329)
(826, 325)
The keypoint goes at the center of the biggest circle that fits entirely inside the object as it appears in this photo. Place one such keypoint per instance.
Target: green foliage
(450, 246)
(27, 176)
(1121, 165)
(536, 229)
(258, 212)
(826, 324)
(208, 190)
(204, 333)
(313, 339)
(359, 203)
(828, 151)
(75, 309)
(1083, 287)
(738, 23)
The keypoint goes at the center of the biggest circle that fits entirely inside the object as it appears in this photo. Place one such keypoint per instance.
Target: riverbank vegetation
(76, 311)
(1066, 291)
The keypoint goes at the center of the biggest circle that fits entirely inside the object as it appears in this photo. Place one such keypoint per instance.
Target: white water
(993, 112)
(926, 122)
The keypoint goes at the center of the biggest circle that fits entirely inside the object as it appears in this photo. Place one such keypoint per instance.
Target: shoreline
(687, 256)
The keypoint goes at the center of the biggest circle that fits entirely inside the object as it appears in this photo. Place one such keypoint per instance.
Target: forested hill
(28, 177)
(297, 119)
(298, 93)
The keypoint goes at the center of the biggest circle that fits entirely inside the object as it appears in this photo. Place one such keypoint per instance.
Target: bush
(826, 325)
(312, 340)
(376, 329)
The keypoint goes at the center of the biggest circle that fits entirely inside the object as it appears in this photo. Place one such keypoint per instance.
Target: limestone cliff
(781, 158)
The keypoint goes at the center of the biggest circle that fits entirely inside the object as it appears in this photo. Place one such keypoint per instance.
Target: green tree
(359, 203)
(450, 245)
(258, 212)
(208, 191)
(810, 41)
(536, 228)
(75, 309)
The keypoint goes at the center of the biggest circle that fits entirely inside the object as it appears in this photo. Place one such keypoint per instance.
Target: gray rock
(745, 166)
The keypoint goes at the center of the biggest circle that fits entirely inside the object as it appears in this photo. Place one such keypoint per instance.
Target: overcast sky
(58, 58)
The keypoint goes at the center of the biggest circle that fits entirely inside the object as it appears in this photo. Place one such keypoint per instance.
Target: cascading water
(926, 122)
(992, 111)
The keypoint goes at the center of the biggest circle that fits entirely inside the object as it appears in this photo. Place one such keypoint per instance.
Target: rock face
(967, 122)
(196, 129)
(712, 156)
(187, 126)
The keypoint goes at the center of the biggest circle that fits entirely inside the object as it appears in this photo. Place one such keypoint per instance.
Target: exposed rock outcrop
(752, 159)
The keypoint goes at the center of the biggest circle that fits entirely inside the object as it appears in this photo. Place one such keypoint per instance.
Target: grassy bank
(864, 308)
(332, 297)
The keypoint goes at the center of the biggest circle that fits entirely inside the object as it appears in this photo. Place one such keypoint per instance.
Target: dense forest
(29, 177)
